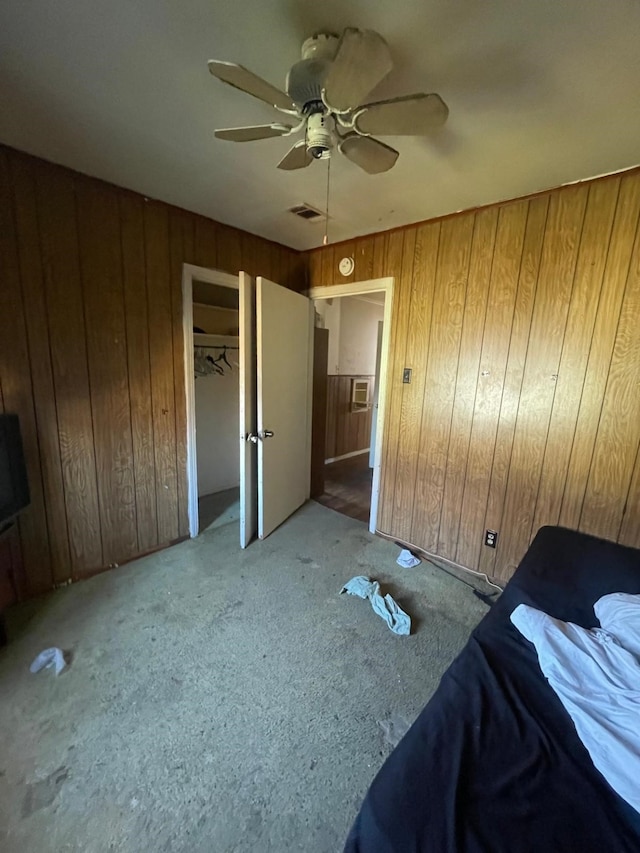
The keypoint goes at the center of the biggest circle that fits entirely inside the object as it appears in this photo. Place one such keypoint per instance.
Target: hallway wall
(347, 431)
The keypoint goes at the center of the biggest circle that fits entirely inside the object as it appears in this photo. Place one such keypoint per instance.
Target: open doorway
(351, 341)
(212, 353)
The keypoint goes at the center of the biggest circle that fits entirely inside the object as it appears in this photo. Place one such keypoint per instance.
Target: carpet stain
(225, 613)
(42, 793)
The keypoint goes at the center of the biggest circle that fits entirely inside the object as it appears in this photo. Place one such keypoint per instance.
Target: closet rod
(218, 346)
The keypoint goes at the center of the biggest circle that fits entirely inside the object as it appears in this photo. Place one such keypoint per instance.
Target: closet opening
(213, 355)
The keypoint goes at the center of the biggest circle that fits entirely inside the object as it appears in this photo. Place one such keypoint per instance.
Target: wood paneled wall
(347, 431)
(91, 359)
(521, 323)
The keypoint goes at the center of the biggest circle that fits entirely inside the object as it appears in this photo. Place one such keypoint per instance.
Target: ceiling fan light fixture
(319, 136)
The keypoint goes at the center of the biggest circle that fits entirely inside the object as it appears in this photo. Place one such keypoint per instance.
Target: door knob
(266, 433)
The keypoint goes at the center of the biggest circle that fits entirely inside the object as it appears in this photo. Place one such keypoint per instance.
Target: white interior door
(248, 412)
(284, 326)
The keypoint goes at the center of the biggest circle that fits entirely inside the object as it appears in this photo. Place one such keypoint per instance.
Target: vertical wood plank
(67, 336)
(630, 527)
(444, 346)
(473, 327)
(288, 275)
(520, 330)
(618, 438)
(343, 416)
(263, 259)
(156, 234)
(101, 273)
(134, 279)
(37, 330)
(363, 256)
(177, 253)
(229, 251)
(315, 268)
(332, 394)
(249, 254)
(490, 373)
(298, 276)
(188, 238)
(206, 243)
(553, 295)
(421, 301)
(327, 273)
(400, 254)
(382, 263)
(17, 393)
(575, 351)
(604, 333)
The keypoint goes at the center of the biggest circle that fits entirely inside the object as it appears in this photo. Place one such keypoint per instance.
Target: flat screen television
(14, 487)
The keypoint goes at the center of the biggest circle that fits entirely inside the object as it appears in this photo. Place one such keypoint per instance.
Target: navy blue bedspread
(493, 762)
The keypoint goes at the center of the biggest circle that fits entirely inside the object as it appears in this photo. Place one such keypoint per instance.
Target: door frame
(357, 288)
(210, 276)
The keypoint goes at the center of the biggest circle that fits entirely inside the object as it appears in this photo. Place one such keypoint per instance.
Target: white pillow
(619, 614)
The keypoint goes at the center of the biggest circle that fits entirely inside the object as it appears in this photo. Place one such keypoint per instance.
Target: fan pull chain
(325, 239)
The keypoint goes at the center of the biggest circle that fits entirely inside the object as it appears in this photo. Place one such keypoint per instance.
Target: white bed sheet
(596, 675)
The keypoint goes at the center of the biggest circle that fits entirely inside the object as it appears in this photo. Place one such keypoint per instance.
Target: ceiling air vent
(305, 211)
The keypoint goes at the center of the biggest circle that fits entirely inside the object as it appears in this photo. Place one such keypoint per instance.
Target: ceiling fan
(325, 91)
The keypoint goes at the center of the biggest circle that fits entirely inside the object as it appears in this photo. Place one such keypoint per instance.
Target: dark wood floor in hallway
(347, 487)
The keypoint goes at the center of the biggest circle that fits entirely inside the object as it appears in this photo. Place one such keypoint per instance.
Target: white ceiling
(541, 92)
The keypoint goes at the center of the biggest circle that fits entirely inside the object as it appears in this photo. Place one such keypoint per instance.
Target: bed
(493, 762)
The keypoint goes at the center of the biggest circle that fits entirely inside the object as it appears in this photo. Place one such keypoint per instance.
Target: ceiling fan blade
(249, 134)
(247, 81)
(361, 62)
(296, 157)
(370, 154)
(410, 115)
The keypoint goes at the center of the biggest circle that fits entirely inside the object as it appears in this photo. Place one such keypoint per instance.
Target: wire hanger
(224, 358)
